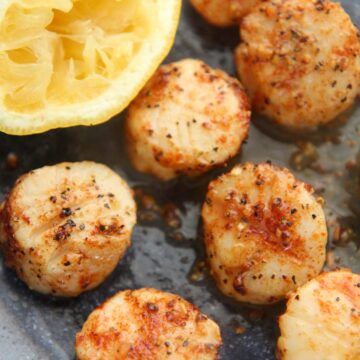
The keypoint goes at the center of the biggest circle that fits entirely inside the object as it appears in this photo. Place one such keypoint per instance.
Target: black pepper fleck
(65, 212)
(53, 199)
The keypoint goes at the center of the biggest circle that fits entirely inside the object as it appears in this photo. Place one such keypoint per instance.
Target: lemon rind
(13, 123)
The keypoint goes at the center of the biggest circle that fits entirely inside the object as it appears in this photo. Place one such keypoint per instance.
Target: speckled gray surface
(34, 327)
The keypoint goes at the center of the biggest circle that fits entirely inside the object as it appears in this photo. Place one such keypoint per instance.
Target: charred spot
(206, 125)
(231, 195)
(64, 194)
(170, 316)
(171, 304)
(319, 5)
(158, 156)
(295, 34)
(53, 199)
(238, 284)
(71, 223)
(208, 201)
(277, 201)
(111, 229)
(84, 285)
(64, 231)
(258, 212)
(244, 200)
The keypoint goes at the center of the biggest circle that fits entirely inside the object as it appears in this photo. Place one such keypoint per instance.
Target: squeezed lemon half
(77, 62)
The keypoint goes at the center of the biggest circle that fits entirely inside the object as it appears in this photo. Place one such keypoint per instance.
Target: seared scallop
(188, 119)
(65, 227)
(322, 320)
(300, 61)
(148, 324)
(224, 12)
(265, 233)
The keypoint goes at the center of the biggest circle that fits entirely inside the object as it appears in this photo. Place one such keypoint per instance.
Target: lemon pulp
(57, 52)
(62, 51)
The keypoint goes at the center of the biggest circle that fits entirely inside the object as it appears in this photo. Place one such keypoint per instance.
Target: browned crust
(271, 225)
(157, 89)
(156, 319)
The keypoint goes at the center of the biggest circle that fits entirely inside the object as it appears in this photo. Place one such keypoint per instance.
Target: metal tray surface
(35, 327)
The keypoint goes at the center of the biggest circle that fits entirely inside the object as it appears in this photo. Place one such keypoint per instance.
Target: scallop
(64, 228)
(322, 319)
(188, 119)
(265, 233)
(224, 12)
(299, 61)
(148, 324)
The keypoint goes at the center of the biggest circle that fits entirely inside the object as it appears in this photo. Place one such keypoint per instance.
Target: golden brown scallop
(322, 320)
(265, 233)
(187, 120)
(148, 324)
(224, 12)
(64, 228)
(300, 61)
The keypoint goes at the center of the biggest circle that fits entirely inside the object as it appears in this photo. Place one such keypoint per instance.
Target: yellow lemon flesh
(77, 62)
